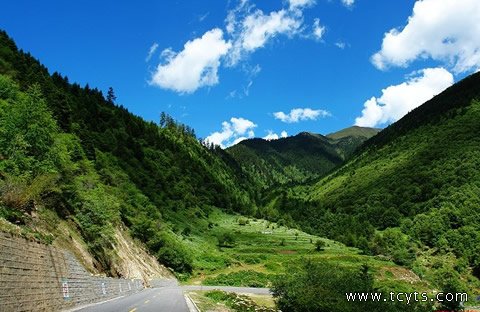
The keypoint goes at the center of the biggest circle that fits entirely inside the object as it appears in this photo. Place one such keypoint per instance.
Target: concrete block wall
(37, 277)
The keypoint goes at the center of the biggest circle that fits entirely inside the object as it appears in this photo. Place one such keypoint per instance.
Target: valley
(307, 216)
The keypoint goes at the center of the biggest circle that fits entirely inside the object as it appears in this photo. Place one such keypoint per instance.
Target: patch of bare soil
(403, 274)
(287, 252)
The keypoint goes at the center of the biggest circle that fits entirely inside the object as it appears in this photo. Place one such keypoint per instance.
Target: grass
(263, 250)
(249, 278)
(219, 301)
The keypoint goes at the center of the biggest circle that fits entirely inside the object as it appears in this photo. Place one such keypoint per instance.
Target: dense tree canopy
(71, 148)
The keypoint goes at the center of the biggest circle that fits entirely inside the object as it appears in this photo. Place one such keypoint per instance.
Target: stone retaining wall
(37, 277)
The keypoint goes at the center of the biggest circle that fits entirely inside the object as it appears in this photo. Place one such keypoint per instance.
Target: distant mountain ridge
(354, 131)
(298, 158)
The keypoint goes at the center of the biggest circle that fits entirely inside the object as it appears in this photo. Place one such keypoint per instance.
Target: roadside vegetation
(219, 301)
(263, 250)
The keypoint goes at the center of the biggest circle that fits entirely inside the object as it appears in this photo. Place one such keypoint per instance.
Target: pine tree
(111, 98)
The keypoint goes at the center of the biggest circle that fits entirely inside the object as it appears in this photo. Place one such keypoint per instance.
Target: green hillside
(299, 158)
(412, 193)
(70, 148)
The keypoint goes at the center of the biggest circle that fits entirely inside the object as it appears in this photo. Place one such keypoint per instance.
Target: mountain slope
(418, 182)
(355, 131)
(298, 158)
(68, 151)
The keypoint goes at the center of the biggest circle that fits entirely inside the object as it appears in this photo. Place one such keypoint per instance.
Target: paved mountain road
(167, 298)
(164, 299)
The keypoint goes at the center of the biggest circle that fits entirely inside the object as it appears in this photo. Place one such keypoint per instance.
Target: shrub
(321, 286)
(476, 269)
(176, 257)
(393, 243)
(247, 278)
(172, 252)
(187, 231)
(226, 239)
(452, 286)
(319, 245)
(243, 221)
(239, 303)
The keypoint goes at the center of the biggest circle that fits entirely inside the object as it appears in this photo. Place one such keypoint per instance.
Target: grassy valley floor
(260, 250)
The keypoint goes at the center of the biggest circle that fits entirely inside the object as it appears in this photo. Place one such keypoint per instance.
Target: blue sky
(241, 68)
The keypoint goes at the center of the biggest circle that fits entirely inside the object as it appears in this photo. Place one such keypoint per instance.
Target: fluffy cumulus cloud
(398, 100)
(273, 136)
(195, 66)
(252, 29)
(237, 130)
(301, 114)
(247, 30)
(446, 30)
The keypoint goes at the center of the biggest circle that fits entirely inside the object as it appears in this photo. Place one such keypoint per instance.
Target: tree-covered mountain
(412, 192)
(298, 158)
(70, 153)
(71, 149)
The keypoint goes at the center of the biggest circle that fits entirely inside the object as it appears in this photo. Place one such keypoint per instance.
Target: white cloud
(318, 30)
(271, 136)
(341, 45)
(232, 94)
(238, 140)
(348, 3)
(301, 3)
(252, 71)
(237, 130)
(151, 51)
(252, 29)
(242, 126)
(195, 66)
(396, 101)
(300, 114)
(247, 29)
(246, 90)
(203, 17)
(446, 30)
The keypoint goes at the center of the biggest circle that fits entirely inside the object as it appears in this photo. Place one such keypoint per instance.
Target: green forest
(74, 150)
(297, 159)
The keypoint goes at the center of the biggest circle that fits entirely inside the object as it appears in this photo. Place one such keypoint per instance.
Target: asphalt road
(167, 298)
(164, 299)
